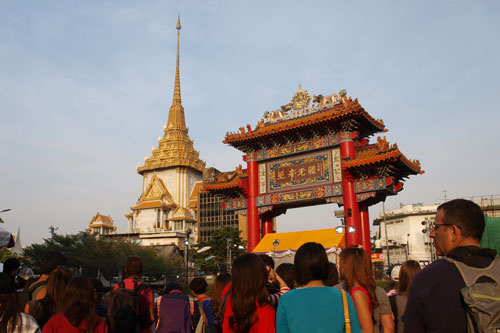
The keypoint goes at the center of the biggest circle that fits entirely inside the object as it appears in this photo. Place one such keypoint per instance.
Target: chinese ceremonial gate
(300, 156)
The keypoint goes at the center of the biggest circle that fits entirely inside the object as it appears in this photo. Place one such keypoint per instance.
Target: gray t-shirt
(384, 307)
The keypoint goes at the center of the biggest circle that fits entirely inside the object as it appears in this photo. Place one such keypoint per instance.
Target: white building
(162, 215)
(406, 226)
(407, 237)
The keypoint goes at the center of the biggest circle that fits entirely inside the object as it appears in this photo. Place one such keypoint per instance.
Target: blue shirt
(314, 309)
(208, 310)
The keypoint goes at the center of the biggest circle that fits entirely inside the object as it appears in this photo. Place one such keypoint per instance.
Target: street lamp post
(186, 243)
(276, 242)
(343, 230)
(2, 211)
(386, 238)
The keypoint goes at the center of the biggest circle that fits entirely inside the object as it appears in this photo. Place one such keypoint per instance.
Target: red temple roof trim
(227, 180)
(373, 156)
(347, 109)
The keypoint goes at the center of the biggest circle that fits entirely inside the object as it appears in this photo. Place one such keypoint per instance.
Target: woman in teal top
(313, 307)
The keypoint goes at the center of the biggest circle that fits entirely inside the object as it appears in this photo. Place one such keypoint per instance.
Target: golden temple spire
(175, 148)
(176, 118)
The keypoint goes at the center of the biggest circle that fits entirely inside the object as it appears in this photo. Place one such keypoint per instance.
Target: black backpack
(128, 309)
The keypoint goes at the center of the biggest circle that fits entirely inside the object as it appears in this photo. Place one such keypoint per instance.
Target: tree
(90, 254)
(6, 254)
(218, 244)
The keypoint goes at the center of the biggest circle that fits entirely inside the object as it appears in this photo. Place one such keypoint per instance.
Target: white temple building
(162, 215)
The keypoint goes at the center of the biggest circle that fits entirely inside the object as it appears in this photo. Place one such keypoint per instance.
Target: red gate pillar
(267, 225)
(253, 191)
(351, 209)
(365, 228)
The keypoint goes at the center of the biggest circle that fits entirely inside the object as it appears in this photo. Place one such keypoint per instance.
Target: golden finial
(145, 158)
(159, 138)
(152, 149)
(176, 114)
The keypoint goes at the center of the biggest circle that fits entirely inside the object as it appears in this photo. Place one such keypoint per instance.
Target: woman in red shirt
(247, 307)
(356, 269)
(78, 311)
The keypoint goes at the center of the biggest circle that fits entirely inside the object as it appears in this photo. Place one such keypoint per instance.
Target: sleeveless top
(360, 288)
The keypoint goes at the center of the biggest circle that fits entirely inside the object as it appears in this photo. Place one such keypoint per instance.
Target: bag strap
(220, 313)
(346, 312)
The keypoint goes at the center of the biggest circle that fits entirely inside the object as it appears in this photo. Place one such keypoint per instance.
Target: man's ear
(456, 234)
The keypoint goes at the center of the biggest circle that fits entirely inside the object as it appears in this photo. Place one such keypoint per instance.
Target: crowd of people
(307, 296)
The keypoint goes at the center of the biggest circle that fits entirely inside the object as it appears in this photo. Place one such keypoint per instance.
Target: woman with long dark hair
(398, 301)
(356, 270)
(221, 281)
(247, 306)
(78, 310)
(43, 309)
(12, 319)
(313, 307)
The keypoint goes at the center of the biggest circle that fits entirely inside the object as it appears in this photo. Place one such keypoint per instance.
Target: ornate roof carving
(227, 180)
(155, 195)
(334, 110)
(383, 152)
(175, 148)
(182, 214)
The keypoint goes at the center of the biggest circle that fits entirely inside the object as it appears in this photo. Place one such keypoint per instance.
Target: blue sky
(85, 89)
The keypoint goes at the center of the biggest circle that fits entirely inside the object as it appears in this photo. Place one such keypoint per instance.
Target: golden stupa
(175, 149)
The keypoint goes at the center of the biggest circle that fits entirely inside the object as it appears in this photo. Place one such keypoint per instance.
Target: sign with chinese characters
(262, 178)
(308, 170)
(337, 169)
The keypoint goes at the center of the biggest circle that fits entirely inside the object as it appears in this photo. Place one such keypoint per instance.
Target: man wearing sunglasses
(435, 302)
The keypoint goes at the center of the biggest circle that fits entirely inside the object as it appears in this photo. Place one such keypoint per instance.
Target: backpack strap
(205, 320)
(472, 274)
(220, 313)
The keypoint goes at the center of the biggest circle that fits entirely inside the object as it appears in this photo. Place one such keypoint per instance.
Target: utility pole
(386, 238)
(229, 245)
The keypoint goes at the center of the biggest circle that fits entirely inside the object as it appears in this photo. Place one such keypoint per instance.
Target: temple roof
(181, 214)
(336, 113)
(101, 221)
(231, 182)
(152, 204)
(155, 195)
(193, 198)
(384, 159)
(175, 148)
